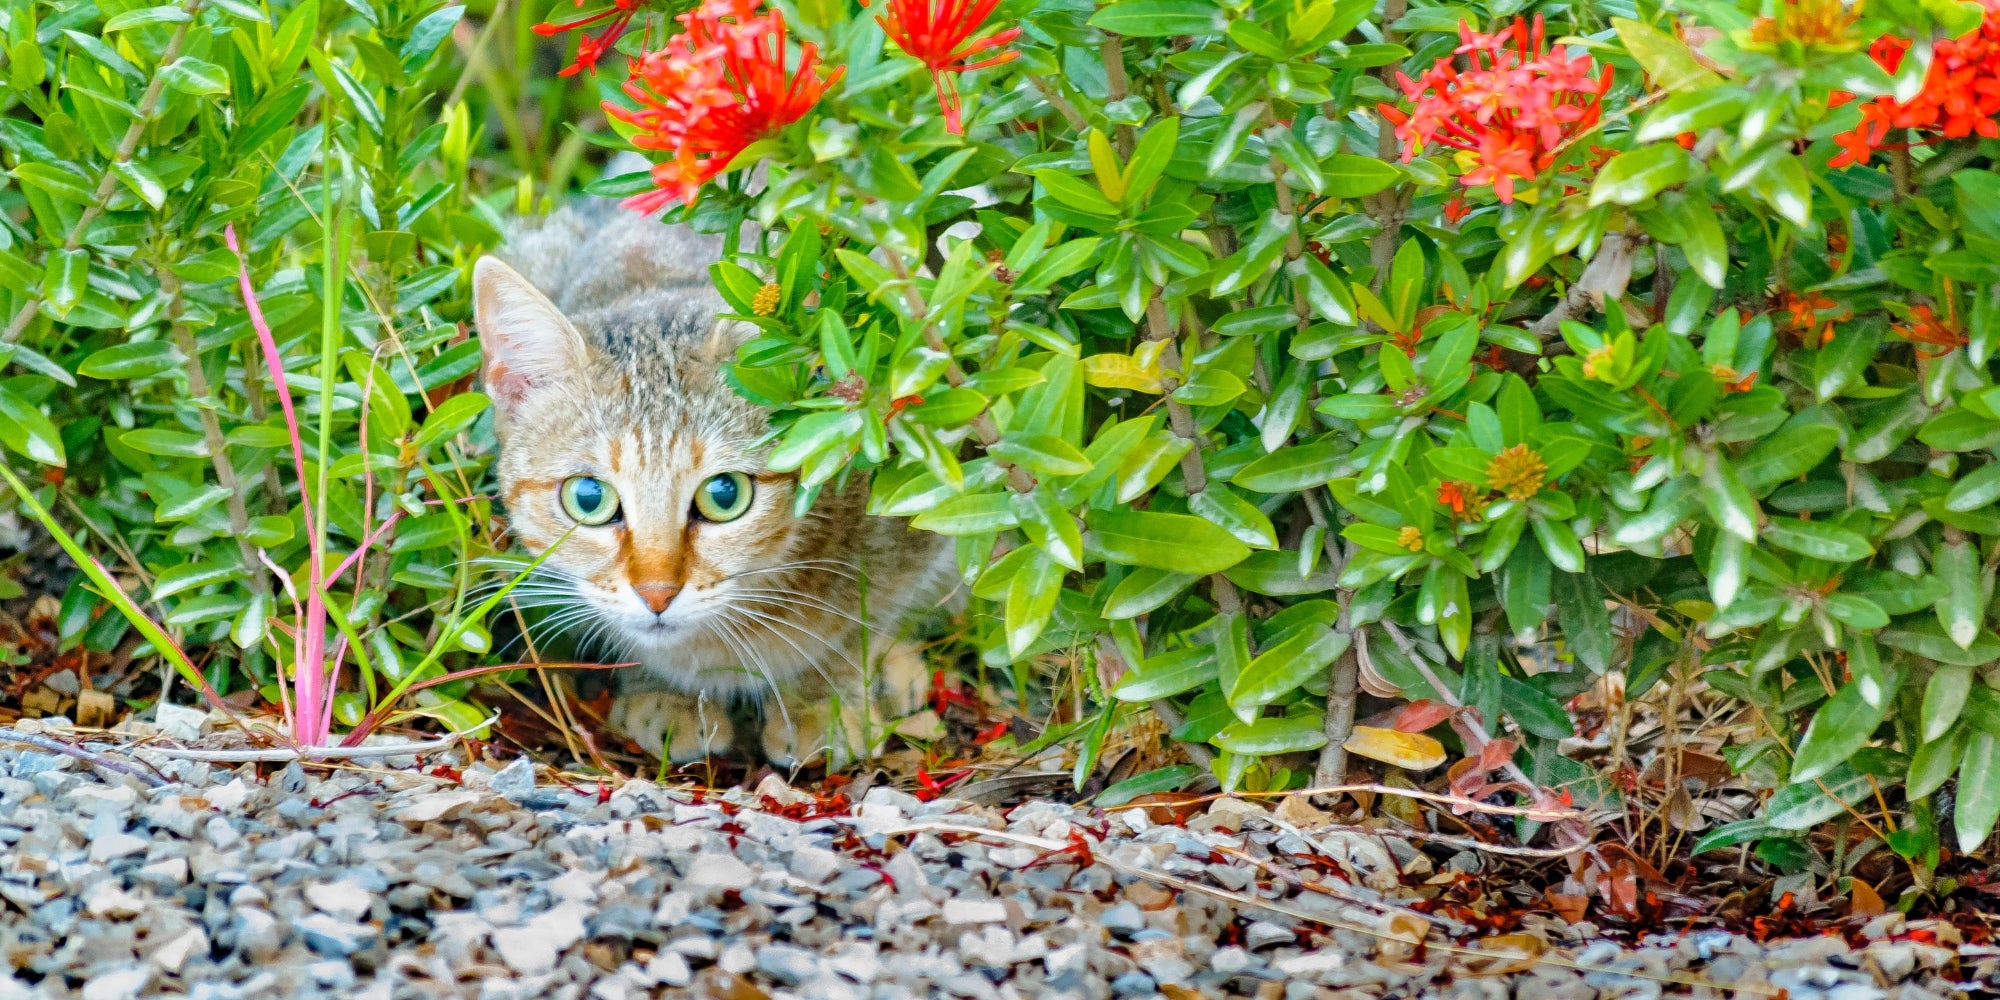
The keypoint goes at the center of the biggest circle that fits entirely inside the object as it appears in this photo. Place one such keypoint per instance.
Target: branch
(1605, 277)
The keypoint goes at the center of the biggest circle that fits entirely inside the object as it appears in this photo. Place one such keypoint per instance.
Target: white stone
(175, 953)
(1311, 964)
(118, 984)
(669, 967)
(1066, 959)
(432, 806)
(111, 847)
(345, 899)
(109, 899)
(717, 872)
(974, 911)
(229, 796)
(180, 721)
(533, 948)
(815, 864)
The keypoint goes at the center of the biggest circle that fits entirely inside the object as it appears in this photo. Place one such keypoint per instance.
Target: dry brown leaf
(1410, 751)
(1295, 810)
(1866, 901)
(1512, 953)
(1402, 938)
(1371, 679)
(95, 709)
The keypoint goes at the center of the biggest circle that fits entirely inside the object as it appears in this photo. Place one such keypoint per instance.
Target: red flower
(1942, 336)
(591, 47)
(1513, 107)
(1960, 96)
(712, 91)
(943, 35)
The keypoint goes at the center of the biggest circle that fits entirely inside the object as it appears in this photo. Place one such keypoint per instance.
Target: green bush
(1254, 400)
(136, 135)
(1242, 355)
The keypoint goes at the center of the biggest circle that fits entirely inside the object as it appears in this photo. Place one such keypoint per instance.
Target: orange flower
(1960, 96)
(712, 91)
(592, 47)
(1512, 107)
(1925, 328)
(944, 35)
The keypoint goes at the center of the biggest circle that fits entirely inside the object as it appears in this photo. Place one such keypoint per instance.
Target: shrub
(1258, 353)
(333, 139)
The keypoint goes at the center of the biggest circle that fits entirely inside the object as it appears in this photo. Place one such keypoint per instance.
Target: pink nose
(656, 595)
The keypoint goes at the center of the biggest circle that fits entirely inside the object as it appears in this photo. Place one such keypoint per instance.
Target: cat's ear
(527, 342)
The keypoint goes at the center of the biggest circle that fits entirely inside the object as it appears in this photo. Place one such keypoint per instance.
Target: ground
(441, 877)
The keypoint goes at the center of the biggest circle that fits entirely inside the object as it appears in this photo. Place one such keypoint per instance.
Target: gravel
(484, 882)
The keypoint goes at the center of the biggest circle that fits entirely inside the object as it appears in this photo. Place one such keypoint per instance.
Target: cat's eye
(589, 500)
(723, 498)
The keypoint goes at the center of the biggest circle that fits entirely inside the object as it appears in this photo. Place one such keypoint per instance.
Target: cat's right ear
(527, 342)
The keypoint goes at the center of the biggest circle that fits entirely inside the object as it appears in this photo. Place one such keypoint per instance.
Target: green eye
(723, 498)
(590, 500)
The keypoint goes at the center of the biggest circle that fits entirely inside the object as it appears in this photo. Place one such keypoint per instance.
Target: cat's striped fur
(604, 358)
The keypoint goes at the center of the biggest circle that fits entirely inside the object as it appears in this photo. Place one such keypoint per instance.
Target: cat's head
(621, 440)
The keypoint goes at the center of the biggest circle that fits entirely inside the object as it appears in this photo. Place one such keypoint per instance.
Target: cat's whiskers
(804, 602)
(773, 619)
(741, 645)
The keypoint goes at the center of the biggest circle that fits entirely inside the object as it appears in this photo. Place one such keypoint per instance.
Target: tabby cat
(674, 547)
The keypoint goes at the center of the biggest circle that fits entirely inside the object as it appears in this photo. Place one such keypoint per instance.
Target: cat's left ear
(527, 343)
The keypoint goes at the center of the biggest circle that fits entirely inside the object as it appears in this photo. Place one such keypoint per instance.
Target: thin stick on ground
(92, 758)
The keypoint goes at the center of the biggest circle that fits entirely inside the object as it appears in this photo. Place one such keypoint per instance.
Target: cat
(604, 356)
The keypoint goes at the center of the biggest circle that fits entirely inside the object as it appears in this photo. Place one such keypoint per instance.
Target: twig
(314, 754)
(1335, 889)
(94, 759)
(1536, 813)
(1451, 840)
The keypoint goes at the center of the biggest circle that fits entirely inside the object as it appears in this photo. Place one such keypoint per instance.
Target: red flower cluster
(712, 91)
(592, 47)
(941, 35)
(1960, 97)
(1513, 106)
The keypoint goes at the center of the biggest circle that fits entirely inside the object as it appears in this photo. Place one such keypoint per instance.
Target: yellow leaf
(1110, 179)
(1410, 751)
(1122, 371)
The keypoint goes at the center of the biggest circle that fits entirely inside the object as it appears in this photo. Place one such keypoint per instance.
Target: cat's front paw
(689, 728)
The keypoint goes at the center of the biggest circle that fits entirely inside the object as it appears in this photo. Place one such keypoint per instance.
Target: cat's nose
(656, 595)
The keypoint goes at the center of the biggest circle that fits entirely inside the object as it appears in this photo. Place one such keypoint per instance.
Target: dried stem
(1602, 280)
(237, 502)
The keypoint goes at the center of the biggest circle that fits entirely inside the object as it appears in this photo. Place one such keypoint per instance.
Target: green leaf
(1043, 454)
(1292, 469)
(1743, 831)
(1175, 542)
(1159, 18)
(1286, 666)
(1144, 589)
(164, 442)
(1944, 699)
(1933, 763)
(1963, 609)
(193, 575)
(1729, 503)
(1273, 735)
(1928, 639)
(1633, 177)
(1974, 490)
(1693, 111)
(1238, 516)
(1031, 598)
(1165, 779)
(145, 16)
(1167, 674)
(1351, 176)
(1664, 57)
(134, 360)
(450, 417)
(25, 430)
(195, 77)
(1840, 727)
(1803, 805)
(1817, 540)
(971, 514)
(64, 280)
(1978, 803)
